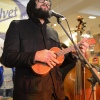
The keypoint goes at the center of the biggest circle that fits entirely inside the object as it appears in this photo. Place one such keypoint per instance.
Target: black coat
(23, 39)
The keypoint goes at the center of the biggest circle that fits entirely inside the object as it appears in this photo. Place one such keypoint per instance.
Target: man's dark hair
(31, 7)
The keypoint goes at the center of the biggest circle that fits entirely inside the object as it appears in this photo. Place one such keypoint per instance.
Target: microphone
(53, 13)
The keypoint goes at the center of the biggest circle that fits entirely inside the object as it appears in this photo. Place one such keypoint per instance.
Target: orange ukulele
(42, 68)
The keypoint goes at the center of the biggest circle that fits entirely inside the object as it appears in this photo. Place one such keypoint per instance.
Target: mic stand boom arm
(93, 70)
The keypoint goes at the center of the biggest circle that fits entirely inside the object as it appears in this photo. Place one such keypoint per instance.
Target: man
(29, 41)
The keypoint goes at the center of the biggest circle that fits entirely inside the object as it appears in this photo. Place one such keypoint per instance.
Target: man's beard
(39, 13)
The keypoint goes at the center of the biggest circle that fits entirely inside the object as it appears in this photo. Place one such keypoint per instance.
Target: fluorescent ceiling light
(55, 24)
(92, 17)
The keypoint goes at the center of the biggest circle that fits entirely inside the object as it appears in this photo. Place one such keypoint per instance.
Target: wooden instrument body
(43, 68)
(86, 92)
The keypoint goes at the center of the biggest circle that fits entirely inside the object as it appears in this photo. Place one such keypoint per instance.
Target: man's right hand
(46, 56)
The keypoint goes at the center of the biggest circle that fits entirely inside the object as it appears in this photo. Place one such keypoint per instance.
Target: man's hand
(84, 45)
(46, 56)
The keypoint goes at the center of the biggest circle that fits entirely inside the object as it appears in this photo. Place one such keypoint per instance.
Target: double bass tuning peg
(79, 18)
(81, 24)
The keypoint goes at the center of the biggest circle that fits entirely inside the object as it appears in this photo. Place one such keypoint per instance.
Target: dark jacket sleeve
(12, 55)
(69, 59)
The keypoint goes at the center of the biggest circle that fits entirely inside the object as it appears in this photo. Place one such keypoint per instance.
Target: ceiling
(73, 8)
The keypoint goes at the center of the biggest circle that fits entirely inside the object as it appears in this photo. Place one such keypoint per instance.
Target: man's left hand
(84, 45)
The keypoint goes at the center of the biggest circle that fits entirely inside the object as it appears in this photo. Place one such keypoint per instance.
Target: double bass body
(76, 85)
(80, 91)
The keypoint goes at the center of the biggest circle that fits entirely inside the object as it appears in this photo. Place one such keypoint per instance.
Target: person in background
(6, 88)
(27, 43)
(1, 74)
(67, 68)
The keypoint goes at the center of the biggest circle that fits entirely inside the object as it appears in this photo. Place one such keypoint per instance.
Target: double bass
(76, 83)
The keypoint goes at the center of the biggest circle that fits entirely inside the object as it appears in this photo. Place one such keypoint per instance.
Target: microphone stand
(92, 70)
(93, 82)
